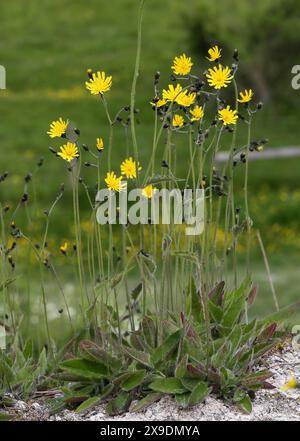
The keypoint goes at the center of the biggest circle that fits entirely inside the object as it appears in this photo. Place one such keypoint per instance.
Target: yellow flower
(172, 93)
(228, 116)
(161, 102)
(113, 182)
(214, 53)
(63, 248)
(197, 113)
(99, 144)
(148, 191)
(58, 128)
(178, 121)
(246, 96)
(186, 99)
(128, 168)
(219, 77)
(68, 151)
(182, 65)
(292, 383)
(99, 83)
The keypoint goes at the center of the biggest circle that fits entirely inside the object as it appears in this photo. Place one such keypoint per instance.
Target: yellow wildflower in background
(161, 102)
(219, 77)
(172, 93)
(99, 83)
(182, 65)
(177, 121)
(58, 128)
(197, 113)
(186, 99)
(63, 248)
(99, 144)
(246, 96)
(214, 53)
(68, 151)
(292, 383)
(113, 182)
(149, 191)
(128, 168)
(228, 116)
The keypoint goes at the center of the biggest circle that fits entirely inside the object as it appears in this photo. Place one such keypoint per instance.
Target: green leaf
(181, 368)
(91, 351)
(42, 363)
(148, 327)
(234, 303)
(199, 393)
(134, 380)
(245, 404)
(189, 383)
(168, 386)
(183, 399)
(136, 291)
(146, 401)
(5, 416)
(141, 357)
(256, 377)
(166, 347)
(119, 405)
(87, 404)
(84, 368)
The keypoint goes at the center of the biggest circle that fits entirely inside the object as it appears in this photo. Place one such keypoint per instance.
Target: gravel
(268, 405)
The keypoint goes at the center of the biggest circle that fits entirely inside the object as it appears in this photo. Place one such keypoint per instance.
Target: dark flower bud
(85, 147)
(127, 108)
(157, 76)
(77, 131)
(236, 55)
(90, 73)
(24, 198)
(40, 162)
(87, 164)
(259, 105)
(53, 151)
(28, 177)
(164, 164)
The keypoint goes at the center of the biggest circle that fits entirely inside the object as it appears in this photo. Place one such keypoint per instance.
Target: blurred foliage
(265, 32)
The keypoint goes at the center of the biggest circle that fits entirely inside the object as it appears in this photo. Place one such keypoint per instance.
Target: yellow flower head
(182, 65)
(292, 383)
(68, 151)
(246, 96)
(197, 113)
(172, 93)
(161, 102)
(219, 77)
(228, 116)
(63, 248)
(177, 121)
(113, 182)
(99, 83)
(58, 128)
(99, 144)
(186, 99)
(128, 168)
(214, 53)
(149, 191)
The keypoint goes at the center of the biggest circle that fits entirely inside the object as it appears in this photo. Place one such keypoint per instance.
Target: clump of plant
(188, 360)
(158, 311)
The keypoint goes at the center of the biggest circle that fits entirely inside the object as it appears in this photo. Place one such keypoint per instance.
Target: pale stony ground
(269, 405)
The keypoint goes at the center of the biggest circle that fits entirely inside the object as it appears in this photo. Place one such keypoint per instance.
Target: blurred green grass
(46, 48)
